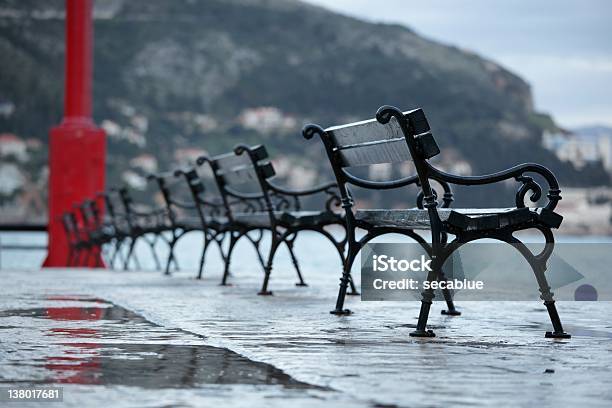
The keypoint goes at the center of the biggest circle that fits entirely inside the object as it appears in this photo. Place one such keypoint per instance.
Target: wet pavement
(142, 339)
(90, 341)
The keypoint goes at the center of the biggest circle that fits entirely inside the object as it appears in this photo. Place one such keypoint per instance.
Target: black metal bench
(254, 204)
(396, 136)
(78, 242)
(90, 231)
(116, 222)
(97, 232)
(141, 222)
(212, 217)
(187, 211)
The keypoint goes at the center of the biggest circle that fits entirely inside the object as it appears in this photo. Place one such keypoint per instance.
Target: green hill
(181, 74)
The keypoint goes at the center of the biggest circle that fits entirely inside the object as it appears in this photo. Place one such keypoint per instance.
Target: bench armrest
(159, 176)
(310, 191)
(286, 196)
(203, 159)
(518, 173)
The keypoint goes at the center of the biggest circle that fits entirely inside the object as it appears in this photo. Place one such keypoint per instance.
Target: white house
(11, 145)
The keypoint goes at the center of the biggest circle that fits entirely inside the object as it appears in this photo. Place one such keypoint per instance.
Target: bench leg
(175, 262)
(450, 305)
(203, 257)
(268, 269)
(170, 257)
(353, 291)
(152, 248)
(340, 246)
(228, 258)
(549, 302)
(426, 300)
(448, 297)
(136, 260)
(130, 254)
(344, 282)
(538, 264)
(257, 245)
(119, 253)
(558, 332)
(289, 243)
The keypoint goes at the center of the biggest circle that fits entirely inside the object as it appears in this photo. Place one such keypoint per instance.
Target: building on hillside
(145, 162)
(266, 119)
(579, 149)
(11, 179)
(12, 145)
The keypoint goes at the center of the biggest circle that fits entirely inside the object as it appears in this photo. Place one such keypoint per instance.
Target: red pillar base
(77, 150)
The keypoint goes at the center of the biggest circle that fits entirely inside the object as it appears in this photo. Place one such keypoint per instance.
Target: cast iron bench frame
(212, 215)
(384, 140)
(140, 225)
(279, 208)
(78, 241)
(208, 214)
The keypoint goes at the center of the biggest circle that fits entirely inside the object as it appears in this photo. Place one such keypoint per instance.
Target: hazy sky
(563, 48)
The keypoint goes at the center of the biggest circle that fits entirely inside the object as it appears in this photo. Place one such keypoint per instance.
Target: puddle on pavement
(85, 340)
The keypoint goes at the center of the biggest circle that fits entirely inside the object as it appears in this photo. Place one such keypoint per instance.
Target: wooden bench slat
(239, 175)
(371, 130)
(230, 160)
(392, 151)
(364, 131)
(246, 173)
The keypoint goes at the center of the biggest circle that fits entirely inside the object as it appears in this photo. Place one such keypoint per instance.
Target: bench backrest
(90, 215)
(370, 142)
(114, 204)
(71, 227)
(393, 137)
(241, 178)
(115, 209)
(178, 195)
(241, 172)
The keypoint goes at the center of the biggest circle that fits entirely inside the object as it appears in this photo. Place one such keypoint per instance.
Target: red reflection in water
(75, 313)
(84, 366)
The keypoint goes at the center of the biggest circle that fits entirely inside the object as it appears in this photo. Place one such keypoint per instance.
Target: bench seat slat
(468, 219)
(303, 218)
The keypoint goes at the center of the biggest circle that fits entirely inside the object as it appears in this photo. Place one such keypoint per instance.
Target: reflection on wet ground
(80, 340)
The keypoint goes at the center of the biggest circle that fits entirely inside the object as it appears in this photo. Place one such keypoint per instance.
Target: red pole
(77, 148)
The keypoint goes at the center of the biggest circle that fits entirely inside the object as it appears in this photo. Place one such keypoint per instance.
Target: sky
(563, 48)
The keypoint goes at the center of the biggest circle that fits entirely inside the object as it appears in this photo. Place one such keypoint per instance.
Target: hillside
(172, 78)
